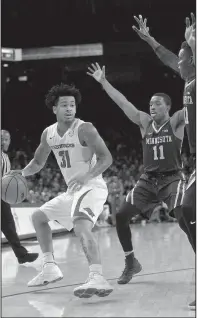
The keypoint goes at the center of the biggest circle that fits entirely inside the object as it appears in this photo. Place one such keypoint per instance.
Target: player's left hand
(190, 31)
(143, 30)
(78, 182)
(96, 72)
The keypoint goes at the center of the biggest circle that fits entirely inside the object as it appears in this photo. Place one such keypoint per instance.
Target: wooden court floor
(163, 289)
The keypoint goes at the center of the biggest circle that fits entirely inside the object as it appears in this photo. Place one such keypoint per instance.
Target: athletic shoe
(51, 273)
(96, 284)
(132, 267)
(192, 306)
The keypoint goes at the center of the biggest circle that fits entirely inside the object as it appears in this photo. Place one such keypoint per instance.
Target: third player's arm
(190, 34)
(89, 136)
(40, 157)
(178, 123)
(167, 57)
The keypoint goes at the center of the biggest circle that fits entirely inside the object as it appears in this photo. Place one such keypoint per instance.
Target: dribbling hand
(190, 32)
(13, 172)
(96, 72)
(143, 30)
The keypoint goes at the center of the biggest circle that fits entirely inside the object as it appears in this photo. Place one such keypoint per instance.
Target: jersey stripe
(5, 163)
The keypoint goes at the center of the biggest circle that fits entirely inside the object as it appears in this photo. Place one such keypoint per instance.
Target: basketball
(14, 188)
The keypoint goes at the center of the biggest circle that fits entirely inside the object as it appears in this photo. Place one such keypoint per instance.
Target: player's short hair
(59, 90)
(166, 98)
(3, 131)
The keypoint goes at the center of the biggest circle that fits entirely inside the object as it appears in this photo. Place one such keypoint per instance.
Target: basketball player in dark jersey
(7, 221)
(162, 180)
(184, 65)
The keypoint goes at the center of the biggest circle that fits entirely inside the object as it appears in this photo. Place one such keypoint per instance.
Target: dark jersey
(189, 101)
(161, 149)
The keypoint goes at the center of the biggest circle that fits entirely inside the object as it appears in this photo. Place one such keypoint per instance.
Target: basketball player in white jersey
(82, 157)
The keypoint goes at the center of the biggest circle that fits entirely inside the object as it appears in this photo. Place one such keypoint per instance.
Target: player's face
(185, 63)
(158, 108)
(5, 141)
(65, 109)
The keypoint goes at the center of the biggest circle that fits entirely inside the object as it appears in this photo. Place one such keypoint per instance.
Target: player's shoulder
(48, 131)
(86, 127)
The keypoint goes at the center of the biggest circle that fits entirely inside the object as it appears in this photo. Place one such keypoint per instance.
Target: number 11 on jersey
(158, 152)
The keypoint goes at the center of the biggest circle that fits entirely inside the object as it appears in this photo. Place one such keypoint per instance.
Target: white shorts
(87, 202)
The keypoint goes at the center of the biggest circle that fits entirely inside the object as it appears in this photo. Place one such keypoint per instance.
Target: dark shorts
(190, 193)
(149, 192)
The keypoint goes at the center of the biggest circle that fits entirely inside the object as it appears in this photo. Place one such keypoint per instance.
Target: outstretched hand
(190, 31)
(143, 30)
(96, 72)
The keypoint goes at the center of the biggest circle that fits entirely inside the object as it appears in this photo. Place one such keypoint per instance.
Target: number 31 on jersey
(65, 163)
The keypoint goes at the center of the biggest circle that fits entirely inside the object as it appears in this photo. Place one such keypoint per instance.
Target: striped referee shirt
(5, 163)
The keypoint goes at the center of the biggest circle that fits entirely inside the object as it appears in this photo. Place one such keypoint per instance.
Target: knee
(39, 217)
(82, 227)
(126, 212)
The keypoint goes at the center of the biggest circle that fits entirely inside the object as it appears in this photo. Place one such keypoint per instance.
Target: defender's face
(158, 108)
(5, 141)
(185, 63)
(182, 63)
(65, 109)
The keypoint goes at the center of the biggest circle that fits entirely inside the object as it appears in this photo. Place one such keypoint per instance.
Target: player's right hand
(190, 32)
(143, 30)
(96, 72)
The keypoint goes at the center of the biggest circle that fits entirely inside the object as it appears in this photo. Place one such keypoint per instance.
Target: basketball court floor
(163, 288)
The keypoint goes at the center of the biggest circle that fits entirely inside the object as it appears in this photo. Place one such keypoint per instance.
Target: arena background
(47, 42)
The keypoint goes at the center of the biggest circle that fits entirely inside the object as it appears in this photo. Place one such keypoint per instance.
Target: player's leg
(9, 230)
(177, 212)
(189, 212)
(189, 216)
(138, 200)
(43, 231)
(55, 209)
(184, 208)
(173, 194)
(87, 206)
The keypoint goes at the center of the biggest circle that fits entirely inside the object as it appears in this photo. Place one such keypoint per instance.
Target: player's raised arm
(190, 35)
(40, 157)
(167, 57)
(135, 115)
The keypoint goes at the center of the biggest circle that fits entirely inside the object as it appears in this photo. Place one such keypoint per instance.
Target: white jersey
(73, 158)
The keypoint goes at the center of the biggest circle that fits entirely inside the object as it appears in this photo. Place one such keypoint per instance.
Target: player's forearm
(114, 94)
(193, 48)
(102, 164)
(167, 57)
(32, 168)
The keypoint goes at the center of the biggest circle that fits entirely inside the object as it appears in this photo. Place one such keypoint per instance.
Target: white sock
(97, 268)
(128, 253)
(48, 257)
